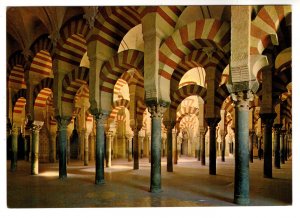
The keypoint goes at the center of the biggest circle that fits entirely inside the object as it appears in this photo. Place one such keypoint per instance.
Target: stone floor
(189, 185)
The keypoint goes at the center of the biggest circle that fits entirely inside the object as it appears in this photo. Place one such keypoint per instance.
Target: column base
(62, 177)
(100, 182)
(155, 190)
(241, 201)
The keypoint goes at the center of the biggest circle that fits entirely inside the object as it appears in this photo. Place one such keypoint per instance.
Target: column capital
(157, 110)
(267, 118)
(169, 124)
(36, 126)
(101, 118)
(242, 99)
(15, 130)
(277, 127)
(212, 122)
(63, 122)
(90, 15)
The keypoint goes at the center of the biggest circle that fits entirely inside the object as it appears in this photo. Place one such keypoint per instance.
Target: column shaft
(14, 147)
(282, 147)
(277, 145)
(35, 153)
(100, 119)
(108, 149)
(212, 122)
(86, 149)
(170, 148)
(136, 150)
(267, 120)
(251, 145)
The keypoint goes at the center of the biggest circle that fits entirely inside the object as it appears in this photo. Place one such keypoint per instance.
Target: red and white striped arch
(19, 101)
(72, 83)
(199, 34)
(119, 64)
(186, 91)
(220, 95)
(45, 86)
(266, 24)
(15, 71)
(198, 58)
(111, 25)
(41, 64)
(117, 105)
(184, 111)
(72, 45)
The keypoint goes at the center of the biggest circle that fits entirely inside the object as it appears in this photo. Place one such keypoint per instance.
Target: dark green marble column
(136, 149)
(202, 147)
(251, 135)
(25, 148)
(282, 146)
(223, 145)
(14, 148)
(35, 128)
(212, 123)
(156, 112)
(100, 121)
(259, 147)
(277, 128)
(241, 177)
(63, 122)
(267, 122)
(169, 125)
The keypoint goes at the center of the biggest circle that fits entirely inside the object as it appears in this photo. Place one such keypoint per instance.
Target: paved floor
(188, 185)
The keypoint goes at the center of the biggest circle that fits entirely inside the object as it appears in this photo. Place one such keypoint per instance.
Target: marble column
(251, 135)
(35, 128)
(175, 154)
(223, 145)
(277, 128)
(169, 125)
(136, 149)
(286, 146)
(109, 137)
(259, 147)
(241, 178)
(156, 112)
(100, 121)
(142, 146)
(129, 146)
(86, 149)
(92, 146)
(52, 148)
(212, 123)
(267, 122)
(63, 122)
(25, 147)
(202, 147)
(14, 148)
(282, 146)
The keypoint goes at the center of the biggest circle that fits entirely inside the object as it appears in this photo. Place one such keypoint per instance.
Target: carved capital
(15, 130)
(157, 110)
(212, 122)
(54, 37)
(101, 118)
(63, 122)
(169, 125)
(36, 126)
(267, 119)
(90, 15)
(242, 99)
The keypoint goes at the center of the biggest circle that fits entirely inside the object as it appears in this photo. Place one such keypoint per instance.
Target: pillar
(63, 122)
(100, 121)
(241, 178)
(142, 146)
(52, 148)
(212, 123)
(156, 112)
(136, 149)
(223, 145)
(92, 146)
(86, 149)
(129, 145)
(277, 128)
(109, 141)
(169, 125)
(259, 147)
(25, 147)
(202, 147)
(35, 128)
(267, 122)
(251, 135)
(175, 146)
(14, 147)
(282, 146)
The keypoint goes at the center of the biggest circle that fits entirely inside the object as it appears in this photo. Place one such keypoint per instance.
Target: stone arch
(200, 34)
(264, 27)
(45, 83)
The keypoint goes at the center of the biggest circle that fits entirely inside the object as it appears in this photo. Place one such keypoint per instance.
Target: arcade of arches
(98, 85)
